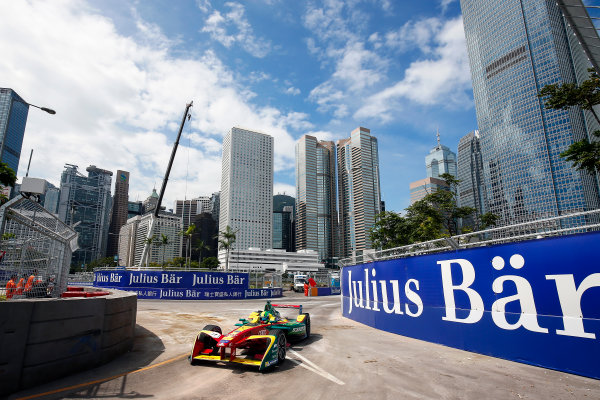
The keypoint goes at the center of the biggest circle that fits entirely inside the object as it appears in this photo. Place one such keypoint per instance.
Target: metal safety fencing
(580, 222)
(35, 250)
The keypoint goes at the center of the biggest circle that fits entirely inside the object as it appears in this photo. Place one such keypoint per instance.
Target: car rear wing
(299, 307)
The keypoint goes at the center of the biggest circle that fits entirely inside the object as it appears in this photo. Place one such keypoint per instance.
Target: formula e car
(260, 340)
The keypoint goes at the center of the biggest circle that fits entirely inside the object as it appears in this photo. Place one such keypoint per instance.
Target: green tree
(210, 263)
(226, 240)
(7, 175)
(7, 178)
(100, 263)
(164, 241)
(187, 234)
(583, 154)
(391, 230)
(433, 217)
(200, 246)
(150, 241)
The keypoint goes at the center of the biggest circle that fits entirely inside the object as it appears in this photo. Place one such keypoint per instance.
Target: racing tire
(281, 346)
(214, 328)
(307, 322)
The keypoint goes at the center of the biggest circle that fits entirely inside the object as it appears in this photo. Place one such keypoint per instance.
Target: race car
(260, 340)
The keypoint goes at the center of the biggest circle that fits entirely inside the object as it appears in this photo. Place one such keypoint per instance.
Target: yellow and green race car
(260, 340)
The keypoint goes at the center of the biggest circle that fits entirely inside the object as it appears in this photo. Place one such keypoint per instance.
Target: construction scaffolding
(85, 204)
(35, 242)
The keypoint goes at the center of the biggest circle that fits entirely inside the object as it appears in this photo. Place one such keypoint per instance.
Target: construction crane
(155, 217)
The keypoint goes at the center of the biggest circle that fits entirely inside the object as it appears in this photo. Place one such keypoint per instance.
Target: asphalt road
(342, 360)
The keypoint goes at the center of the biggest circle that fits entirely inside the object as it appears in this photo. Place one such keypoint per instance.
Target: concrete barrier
(45, 339)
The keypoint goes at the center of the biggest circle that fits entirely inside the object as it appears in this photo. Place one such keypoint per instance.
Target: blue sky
(119, 74)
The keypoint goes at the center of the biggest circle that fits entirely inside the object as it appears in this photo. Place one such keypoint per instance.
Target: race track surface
(342, 360)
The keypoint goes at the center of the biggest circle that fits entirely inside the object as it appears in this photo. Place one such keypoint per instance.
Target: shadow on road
(108, 380)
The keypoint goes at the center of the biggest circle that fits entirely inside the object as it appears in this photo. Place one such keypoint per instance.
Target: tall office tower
(133, 234)
(13, 118)
(359, 190)
(134, 208)
(440, 160)
(316, 212)
(471, 188)
(187, 210)
(151, 201)
(421, 188)
(247, 188)
(119, 212)
(282, 228)
(215, 200)
(516, 48)
(206, 230)
(85, 203)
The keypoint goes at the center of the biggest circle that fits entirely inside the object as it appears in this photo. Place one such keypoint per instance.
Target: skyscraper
(119, 212)
(247, 187)
(359, 191)
(440, 160)
(516, 48)
(316, 212)
(471, 188)
(187, 210)
(85, 203)
(13, 118)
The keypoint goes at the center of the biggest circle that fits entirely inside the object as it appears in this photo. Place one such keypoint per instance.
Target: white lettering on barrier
(570, 303)
(356, 295)
(569, 296)
(468, 273)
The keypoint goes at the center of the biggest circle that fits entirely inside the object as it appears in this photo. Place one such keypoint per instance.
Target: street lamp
(48, 110)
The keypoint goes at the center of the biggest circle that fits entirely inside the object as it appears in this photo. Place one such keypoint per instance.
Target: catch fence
(34, 242)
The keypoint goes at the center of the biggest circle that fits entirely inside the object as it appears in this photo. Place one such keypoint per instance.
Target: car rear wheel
(281, 346)
(307, 323)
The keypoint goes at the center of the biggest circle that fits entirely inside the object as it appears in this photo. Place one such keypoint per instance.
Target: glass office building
(471, 189)
(440, 160)
(13, 118)
(246, 200)
(85, 204)
(316, 213)
(359, 191)
(515, 48)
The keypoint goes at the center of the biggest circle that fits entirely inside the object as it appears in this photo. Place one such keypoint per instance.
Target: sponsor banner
(183, 285)
(188, 294)
(260, 293)
(171, 279)
(536, 302)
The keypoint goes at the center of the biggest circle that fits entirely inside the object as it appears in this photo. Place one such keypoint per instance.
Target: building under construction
(85, 205)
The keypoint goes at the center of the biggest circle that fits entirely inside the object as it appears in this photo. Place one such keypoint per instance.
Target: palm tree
(149, 241)
(188, 234)
(200, 247)
(164, 241)
(226, 241)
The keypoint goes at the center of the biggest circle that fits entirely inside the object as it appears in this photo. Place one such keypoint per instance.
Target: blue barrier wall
(183, 285)
(535, 302)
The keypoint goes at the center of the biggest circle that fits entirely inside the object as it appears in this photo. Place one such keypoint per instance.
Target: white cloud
(294, 91)
(442, 79)
(119, 100)
(233, 27)
(419, 34)
(284, 188)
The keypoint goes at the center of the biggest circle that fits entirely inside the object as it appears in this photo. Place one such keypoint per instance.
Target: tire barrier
(45, 339)
(535, 302)
(184, 285)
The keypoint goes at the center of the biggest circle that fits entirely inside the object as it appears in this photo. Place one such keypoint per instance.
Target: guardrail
(579, 222)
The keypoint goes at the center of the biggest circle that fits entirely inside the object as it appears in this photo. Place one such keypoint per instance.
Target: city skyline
(521, 140)
(283, 68)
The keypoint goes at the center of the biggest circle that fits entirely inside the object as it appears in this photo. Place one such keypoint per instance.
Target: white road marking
(309, 365)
